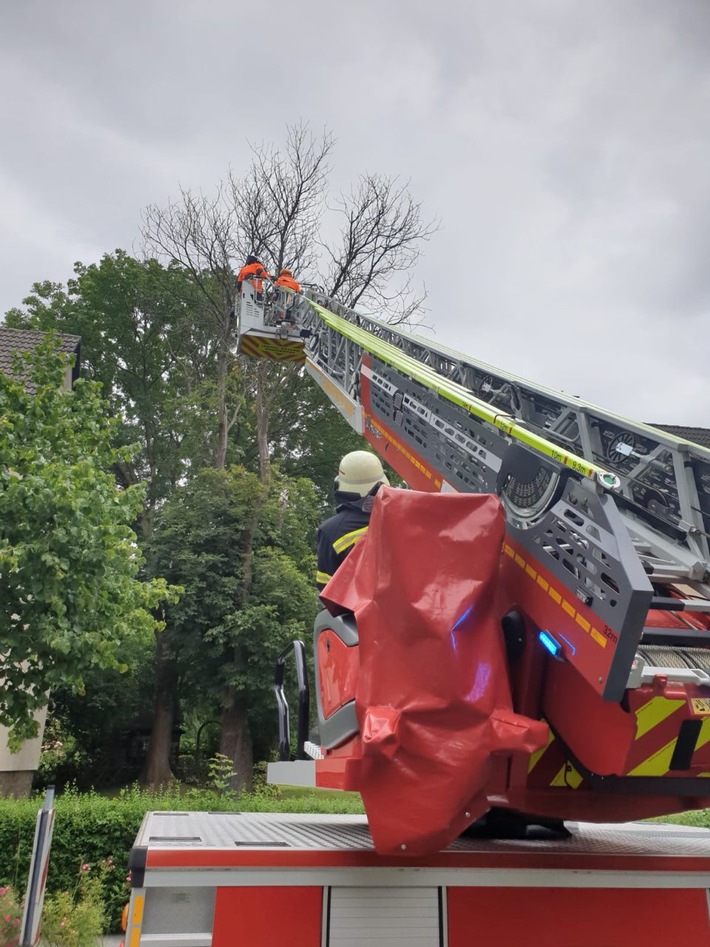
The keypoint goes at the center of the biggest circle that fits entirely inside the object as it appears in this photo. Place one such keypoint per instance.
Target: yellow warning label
(700, 705)
(598, 638)
(569, 608)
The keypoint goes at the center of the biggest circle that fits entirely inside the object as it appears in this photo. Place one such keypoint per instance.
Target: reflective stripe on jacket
(338, 535)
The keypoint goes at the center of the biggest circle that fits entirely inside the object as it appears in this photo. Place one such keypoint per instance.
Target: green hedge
(99, 831)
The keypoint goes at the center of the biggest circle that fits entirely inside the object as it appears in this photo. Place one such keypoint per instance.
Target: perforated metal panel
(377, 917)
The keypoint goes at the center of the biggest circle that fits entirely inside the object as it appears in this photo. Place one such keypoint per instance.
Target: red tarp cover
(433, 699)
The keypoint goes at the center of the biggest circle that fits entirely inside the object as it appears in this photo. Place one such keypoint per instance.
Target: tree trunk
(235, 741)
(220, 454)
(235, 738)
(156, 770)
(263, 415)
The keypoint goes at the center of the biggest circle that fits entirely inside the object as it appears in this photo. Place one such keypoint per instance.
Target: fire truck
(511, 664)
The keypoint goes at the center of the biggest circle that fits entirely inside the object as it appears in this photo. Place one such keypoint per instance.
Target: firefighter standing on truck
(360, 476)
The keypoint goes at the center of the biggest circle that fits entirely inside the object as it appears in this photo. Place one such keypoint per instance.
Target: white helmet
(359, 471)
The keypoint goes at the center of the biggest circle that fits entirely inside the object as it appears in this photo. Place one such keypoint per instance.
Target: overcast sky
(565, 146)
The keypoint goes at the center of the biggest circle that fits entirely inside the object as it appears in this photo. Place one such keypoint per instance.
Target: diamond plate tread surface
(250, 829)
(303, 832)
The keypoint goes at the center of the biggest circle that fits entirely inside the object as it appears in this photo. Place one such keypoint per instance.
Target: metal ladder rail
(573, 530)
(665, 479)
(480, 377)
(337, 348)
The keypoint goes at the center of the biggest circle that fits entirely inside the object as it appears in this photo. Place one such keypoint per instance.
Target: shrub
(76, 919)
(221, 772)
(10, 918)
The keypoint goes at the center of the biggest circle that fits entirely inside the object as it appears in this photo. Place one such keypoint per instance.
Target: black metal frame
(299, 652)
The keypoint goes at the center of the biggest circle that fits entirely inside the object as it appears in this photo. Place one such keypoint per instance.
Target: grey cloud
(564, 146)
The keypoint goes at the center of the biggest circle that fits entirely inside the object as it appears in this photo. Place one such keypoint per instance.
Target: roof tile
(25, 340)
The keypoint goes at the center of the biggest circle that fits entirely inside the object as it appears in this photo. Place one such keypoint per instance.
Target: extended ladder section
(618, 511)
(663, 486)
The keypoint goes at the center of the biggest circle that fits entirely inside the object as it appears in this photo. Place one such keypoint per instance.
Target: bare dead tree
(275, 212)
(381, 238)
(277, 207)
(197, 233)
(279, 203)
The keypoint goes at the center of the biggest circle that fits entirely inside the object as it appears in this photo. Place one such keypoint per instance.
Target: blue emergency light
(554, 647)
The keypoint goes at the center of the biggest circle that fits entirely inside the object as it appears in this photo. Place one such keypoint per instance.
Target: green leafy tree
(149, 336)
(309, 435)
(70, 591)
(240, 550)
(145, 339)
(93, 738)
(162, 338)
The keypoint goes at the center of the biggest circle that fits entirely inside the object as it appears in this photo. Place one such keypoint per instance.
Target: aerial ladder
(600, 647)
(606, 546)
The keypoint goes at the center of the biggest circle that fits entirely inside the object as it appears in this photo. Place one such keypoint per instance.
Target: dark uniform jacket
(338, 535)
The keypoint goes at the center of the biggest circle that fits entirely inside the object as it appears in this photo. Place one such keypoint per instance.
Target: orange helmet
(285, 272)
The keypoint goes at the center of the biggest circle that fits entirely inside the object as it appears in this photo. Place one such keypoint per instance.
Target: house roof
(25, 340)
(697, 435)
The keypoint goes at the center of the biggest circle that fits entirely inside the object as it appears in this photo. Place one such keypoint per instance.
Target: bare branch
(196, 232)
(278, 204)
(381, 236)
(275, 211)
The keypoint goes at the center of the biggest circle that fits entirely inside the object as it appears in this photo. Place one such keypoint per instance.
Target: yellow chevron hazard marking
(508, 550)
(570, 609)
(554, 595)
(282, 350)
(654, 712)
(567, 778)
(535, 757)
(543, 583)
(704, 735)
(659, 763)
(700, 705)
(530, 571)
(519, 561)
(582, 622)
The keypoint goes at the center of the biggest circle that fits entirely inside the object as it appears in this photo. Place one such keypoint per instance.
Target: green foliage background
(149, 342)
(71, 596)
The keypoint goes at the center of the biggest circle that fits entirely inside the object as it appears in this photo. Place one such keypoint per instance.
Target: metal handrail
(299, 652)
